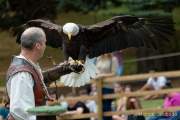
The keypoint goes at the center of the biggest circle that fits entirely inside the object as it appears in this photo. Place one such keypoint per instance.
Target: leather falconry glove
(54, 73)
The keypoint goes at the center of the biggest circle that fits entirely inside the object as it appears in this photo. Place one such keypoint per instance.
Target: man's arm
(79, 110)
(148, 85)
(21, 96)
(54, 73)
(145, 87)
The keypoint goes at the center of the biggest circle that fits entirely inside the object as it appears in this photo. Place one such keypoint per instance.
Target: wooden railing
(140, 77)
(128, 78)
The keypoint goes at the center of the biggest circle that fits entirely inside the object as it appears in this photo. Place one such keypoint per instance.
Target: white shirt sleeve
(21, 96)
(162, 81)
(150, 81)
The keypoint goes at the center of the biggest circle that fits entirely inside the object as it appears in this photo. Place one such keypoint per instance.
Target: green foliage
(129, 67)
(2, 81)
(2, 4)
(177, 17)
(86, 5)
(150, 8)
(3, 7)
(66, 5)
(157, 13)
(16, 12)
(31, 9)
(166, 5)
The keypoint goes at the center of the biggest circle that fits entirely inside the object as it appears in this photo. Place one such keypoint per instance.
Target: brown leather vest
(21, 65)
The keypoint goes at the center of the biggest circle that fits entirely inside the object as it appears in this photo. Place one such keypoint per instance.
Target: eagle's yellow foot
(79, 62)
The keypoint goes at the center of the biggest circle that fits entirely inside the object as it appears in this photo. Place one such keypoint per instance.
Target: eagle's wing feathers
(121, 32)
(52, 31)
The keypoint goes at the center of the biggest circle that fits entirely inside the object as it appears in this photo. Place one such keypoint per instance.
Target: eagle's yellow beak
(69, 35)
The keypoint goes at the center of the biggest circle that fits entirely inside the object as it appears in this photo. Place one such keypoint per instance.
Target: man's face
(41, 46)
(93, 87)
(117, 88)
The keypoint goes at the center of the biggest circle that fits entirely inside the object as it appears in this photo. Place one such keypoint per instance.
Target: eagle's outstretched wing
(121, 32)
(51, 30)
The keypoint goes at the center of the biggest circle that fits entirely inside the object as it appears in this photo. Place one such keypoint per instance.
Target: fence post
(99, 83)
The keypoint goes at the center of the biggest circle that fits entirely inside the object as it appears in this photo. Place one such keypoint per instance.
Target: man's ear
(38, 46)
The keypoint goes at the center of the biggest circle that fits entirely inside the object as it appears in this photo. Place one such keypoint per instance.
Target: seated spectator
(171, 100)
(4, 111)
(106, 67)
(120, 103)
(154, 83)
(126, 103)
(54, 100)
(93, 89)
(132, 102)
(77, 108)
(91, 104)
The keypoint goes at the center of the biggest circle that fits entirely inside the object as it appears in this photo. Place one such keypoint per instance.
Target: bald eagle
(117, 33)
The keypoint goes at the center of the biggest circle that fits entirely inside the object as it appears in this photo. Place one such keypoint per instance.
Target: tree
(16, 12)
(166, 5)
(86, 5)
(31, 9)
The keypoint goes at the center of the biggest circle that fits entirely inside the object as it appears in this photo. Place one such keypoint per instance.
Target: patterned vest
(21, 65)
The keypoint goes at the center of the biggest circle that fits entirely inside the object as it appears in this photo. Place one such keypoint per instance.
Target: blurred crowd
(111, 65)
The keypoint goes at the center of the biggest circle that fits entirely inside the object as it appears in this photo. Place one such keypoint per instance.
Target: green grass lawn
(152, 103)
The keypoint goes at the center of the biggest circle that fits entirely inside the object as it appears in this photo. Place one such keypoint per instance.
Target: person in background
(126, 103)
(120, 103)
(171, 100)
(93, 89)
(154, 83)
(117, 56)
(4, 111)
(133, 103)
(77, 107)
(53, 95)
(91, 104)
(106, 65)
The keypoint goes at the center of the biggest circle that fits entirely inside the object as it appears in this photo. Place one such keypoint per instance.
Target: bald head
(31, 36)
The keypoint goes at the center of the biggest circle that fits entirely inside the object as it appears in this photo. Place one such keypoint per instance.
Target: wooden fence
(107, 80)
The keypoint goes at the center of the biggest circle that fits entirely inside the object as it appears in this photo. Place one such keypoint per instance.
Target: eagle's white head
(71, 29)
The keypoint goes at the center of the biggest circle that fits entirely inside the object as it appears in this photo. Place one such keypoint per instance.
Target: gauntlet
(54, 73)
